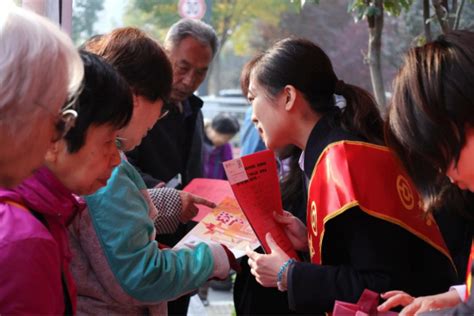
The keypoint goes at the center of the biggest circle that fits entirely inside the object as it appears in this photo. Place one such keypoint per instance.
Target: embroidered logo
(405, 193)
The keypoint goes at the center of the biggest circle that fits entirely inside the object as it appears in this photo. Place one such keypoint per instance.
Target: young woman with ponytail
(365, 227)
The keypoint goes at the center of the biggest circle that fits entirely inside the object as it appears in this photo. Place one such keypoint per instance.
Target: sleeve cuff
(221, 262)
(460, 289)
(168, 203)
(289, 286)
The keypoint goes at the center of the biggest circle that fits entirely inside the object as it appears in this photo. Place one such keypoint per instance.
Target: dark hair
(104, 100)
(292, 185)
(304, 65)
(245, 74)
(225, 124)
(139, 59)
(433, 100)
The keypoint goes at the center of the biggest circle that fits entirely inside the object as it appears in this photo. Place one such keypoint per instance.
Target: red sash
(349, 174)
(468, 273)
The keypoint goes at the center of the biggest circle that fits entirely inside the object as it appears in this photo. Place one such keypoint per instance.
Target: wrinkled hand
(265, 267)
(415, 306)
(294, 229)
(189, 204)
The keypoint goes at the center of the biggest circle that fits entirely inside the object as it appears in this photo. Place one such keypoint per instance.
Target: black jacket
(361, 251)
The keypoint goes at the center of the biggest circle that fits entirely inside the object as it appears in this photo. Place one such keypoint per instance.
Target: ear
(136, 100)
(53, 152)
(289, 92)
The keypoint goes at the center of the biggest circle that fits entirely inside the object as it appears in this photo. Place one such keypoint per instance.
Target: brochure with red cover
(255, 183)
(211, 189)
(367, 305)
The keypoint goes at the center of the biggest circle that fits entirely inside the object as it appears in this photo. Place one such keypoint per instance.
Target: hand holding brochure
(254, 180)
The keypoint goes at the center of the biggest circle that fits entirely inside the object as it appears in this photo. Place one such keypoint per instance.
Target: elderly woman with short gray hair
(40, 70)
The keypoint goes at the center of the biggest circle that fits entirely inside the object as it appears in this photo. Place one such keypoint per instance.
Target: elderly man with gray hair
(172, 151)
(40, 70)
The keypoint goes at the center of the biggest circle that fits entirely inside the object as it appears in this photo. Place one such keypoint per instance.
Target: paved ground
(220, 304)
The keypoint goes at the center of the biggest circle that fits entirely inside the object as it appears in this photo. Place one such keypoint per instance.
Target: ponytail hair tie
(340, 87)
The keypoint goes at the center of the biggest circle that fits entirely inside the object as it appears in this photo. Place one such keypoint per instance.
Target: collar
(186, 108)
(45, 194)
(301, 161)
(326, 131)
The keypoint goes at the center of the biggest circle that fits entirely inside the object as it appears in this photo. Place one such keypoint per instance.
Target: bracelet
(280, 273)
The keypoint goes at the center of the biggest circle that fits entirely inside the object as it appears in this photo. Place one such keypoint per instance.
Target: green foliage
(84, 17)
(395, 7)
(152, 16)
(232, 19)
(365, 8)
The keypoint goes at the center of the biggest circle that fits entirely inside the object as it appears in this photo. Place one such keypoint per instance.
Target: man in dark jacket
(172, 151)
(173, 148)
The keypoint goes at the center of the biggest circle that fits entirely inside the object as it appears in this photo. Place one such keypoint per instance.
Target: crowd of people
(98, 143)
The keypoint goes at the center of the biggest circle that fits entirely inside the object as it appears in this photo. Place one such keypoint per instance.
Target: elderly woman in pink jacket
(34, 247)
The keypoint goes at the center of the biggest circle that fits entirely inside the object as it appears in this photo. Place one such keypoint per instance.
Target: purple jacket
(213, 159)
(34, 258)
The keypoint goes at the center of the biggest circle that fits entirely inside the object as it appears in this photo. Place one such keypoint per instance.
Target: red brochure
(255, 183)
(210, 189)
(366, 306)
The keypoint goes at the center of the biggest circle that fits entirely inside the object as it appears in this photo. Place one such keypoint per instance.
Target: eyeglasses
(65, 119)
(119, 143)
(163, 114)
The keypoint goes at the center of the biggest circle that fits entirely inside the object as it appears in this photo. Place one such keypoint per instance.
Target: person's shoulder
(122, 182)
(19, 224)
(338, 134)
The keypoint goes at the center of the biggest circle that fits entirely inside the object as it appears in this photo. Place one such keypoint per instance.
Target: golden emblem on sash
(314, 219)
(405, 193)
(311, 248)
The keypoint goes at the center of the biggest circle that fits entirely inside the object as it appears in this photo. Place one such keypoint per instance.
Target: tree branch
(458, 15)
(426, 24)
(441, 13)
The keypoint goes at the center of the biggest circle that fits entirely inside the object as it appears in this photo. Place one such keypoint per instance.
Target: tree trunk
(426, 24)
(458, 15)
(216, 87)
(452, 17)
(204, 87)
(374, 55)
(441, 13)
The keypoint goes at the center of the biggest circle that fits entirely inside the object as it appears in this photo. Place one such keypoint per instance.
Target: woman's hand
(394, 299)
(265, 268)
(189, 204)
(415, 306)
(294, 229)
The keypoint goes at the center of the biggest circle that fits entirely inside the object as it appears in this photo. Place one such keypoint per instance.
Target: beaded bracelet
(280, 273)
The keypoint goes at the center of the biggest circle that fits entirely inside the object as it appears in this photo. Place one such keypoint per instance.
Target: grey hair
(197, 29)
(39, 67)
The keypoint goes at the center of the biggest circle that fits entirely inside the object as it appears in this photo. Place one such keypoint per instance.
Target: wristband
(280, 273)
